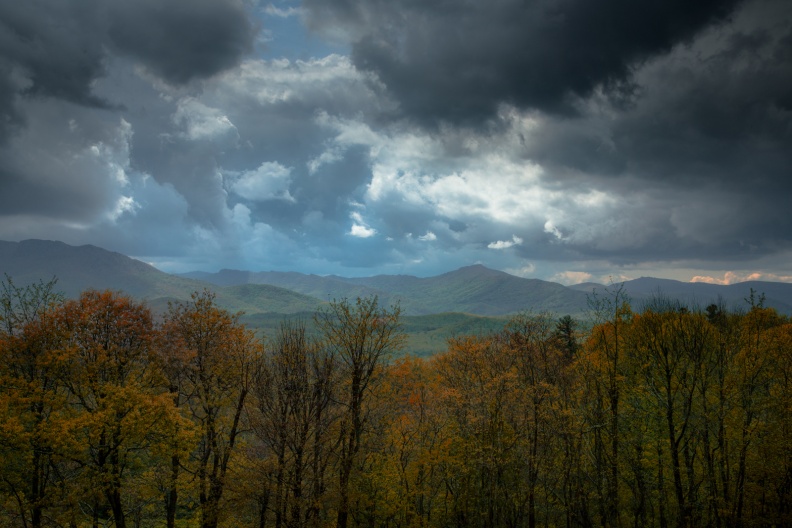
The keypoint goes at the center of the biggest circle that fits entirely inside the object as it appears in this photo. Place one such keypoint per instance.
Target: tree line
(668, 416)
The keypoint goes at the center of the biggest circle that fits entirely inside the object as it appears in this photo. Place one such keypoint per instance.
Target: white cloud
(514, 200)
(201, 121)
(551, 229)
(732, 277)
(571, 277)
(362, 231)
(124, 204)
(279, 12)
(489, 185)
(359, 228)
(526, 270)
(270, 181)
(505, 244)
(242, 243)
(320, 82)
(327, 157)
(109, 161)
(428, 237)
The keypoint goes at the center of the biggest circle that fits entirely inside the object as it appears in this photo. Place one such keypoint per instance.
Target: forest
(667, 416)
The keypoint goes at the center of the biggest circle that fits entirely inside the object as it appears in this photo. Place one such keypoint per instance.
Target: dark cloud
(704, 149)
(49, 49)
(703, 117)
(182, 40)
(458, 61)
(593, 134)
(68, 91)
(10, 117)
(57, 169)
(56, 49)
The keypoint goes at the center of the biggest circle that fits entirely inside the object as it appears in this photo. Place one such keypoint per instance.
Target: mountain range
(473, 297)
(472, 289)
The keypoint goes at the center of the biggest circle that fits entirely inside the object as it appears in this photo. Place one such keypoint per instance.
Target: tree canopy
(668, 416)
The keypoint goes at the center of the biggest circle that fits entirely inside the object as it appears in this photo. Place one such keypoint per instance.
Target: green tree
(566, 331)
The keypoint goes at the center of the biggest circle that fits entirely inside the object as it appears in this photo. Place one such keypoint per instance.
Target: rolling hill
(473, 289)
(470, 299)
(78, 268)
(324, 288)
(641, 291)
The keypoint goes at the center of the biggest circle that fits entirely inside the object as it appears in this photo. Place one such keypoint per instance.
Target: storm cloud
(50, 48)
(181, 40)
(52, 56)
(458, 61)
(566, 140)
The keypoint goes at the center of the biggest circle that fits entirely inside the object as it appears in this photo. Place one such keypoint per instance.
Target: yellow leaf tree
(32, 401)
(106, 356)
(215, 357)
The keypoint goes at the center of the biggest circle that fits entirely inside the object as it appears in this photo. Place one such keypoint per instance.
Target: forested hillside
(78, 268)
(472, 289)
(667, 417)
(476, 291)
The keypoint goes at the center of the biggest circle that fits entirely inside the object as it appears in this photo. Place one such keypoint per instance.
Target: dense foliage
(664, 417)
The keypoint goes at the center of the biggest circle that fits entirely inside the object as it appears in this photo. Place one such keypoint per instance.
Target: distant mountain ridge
(777, 295)
(474, 290)
(483, 291)
(322, 288)
(78, 268)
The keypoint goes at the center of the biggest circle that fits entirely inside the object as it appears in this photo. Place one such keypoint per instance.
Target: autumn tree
(673, 350)
(668, 417)
(776, 459)
(212, 358)
(414, 444)
(605, 348)
(106, 354)
(753, 376)
(292, 413)
(542, 352)
(512, 444)
(31, 398)
(362, 336)
(173, 358)
(479, 379)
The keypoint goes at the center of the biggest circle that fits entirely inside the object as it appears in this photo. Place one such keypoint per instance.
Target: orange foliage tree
(106, 356)
(32, 402)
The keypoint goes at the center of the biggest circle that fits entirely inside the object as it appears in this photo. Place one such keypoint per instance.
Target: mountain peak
(474, 289)
(476, 270)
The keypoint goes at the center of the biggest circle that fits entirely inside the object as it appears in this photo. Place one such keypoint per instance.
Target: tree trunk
(172, 496)
(116, 505)
(342, 518)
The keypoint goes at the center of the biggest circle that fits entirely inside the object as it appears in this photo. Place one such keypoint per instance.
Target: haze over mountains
(474, 290)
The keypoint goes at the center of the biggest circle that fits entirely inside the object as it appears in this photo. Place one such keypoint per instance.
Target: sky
(565, 140)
